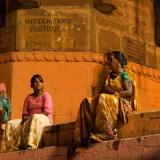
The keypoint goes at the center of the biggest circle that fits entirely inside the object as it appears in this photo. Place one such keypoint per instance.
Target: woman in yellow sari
(97, 117)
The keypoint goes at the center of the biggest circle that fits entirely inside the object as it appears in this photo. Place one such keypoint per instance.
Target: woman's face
(37, 84)
(112, 63)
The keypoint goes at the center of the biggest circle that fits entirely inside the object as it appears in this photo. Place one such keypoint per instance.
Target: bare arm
(127, 90)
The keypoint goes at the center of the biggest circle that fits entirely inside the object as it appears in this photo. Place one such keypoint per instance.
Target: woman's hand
(45, 113)
(24, 118)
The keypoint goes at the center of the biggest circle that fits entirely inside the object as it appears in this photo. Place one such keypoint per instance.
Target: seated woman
(5, 107)
(97, 117)
(37, 113)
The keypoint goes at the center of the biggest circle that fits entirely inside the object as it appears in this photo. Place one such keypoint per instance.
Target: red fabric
(2, 87)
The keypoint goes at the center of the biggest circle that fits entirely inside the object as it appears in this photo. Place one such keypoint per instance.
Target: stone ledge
(140, 124)
(60, 135)
(139, 148)
(144, 115)
(52, 56)
(73, 57)
(47, 153)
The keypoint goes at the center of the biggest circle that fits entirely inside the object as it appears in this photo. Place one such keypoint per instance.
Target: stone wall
(81, 26)
(50, 27)
(69, 77)
(132, 19)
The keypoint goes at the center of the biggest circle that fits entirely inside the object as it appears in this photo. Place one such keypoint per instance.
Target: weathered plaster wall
(80, 27)
(133, 19)
(50, 27)
(69, 77)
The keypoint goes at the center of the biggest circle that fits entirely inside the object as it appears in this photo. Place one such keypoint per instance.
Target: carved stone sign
(136, 51)
(47, 33)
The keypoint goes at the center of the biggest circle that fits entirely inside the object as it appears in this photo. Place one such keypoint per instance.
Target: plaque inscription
(136, 51)
(46, 33)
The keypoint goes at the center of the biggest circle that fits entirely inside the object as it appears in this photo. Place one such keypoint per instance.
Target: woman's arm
(127, 90)
(47, 104)
(25, 110)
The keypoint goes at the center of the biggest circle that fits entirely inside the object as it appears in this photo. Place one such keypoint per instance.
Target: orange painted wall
(68, 77)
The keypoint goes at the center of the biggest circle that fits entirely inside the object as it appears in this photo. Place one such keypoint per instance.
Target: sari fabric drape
(17, 136)
(97, 116)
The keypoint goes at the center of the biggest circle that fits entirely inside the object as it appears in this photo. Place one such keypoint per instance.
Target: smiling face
(112, 62)
(37, 84)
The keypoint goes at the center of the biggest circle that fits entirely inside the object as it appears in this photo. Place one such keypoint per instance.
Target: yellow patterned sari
(97, 117)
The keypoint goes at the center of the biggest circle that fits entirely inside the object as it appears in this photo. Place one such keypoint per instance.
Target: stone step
(47, 153)
(139, 124)
(138, 148)
(139, 139)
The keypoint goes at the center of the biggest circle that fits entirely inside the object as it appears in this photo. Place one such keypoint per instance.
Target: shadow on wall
(13, 5)
(105, 8)
(100, 74)
(2, 13)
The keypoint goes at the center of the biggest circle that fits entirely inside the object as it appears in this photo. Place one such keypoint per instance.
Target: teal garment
(124, 76)
(6, 109)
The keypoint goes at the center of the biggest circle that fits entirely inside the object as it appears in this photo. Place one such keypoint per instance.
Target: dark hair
(34, 77)
(119, 56)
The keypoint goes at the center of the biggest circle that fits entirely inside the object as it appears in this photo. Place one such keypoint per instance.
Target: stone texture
(135, 127)
(79, 27)
(106, 42)
(138, 148)
(48, 153)
(58, 135)
(125, 149)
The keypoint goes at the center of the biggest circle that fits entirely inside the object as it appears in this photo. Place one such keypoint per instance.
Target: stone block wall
(132, 19)
(69, 77)
(78, 26)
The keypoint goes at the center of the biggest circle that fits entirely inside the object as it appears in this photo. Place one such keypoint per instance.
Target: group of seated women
(97, 116)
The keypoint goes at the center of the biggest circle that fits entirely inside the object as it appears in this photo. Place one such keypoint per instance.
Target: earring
(120, 65)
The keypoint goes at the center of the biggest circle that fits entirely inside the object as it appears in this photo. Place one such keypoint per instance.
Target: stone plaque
(136, 51)
(157, 22)
(46, 33)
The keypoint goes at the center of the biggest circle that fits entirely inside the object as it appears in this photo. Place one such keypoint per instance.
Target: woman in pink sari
(37, 113)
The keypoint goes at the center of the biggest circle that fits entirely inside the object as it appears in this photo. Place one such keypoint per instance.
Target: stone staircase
(47, 153)
(139, 139)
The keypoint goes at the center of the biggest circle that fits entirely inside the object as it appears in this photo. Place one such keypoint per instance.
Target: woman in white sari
(37, 113)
